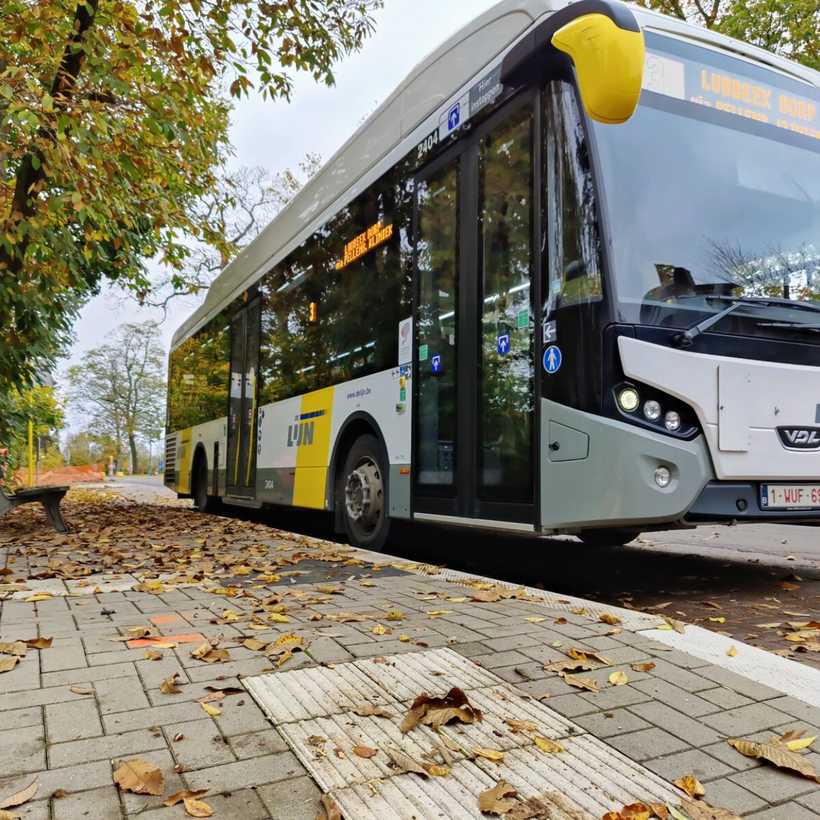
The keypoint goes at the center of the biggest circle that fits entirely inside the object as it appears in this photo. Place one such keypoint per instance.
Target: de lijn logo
(800, 438)
(301, 433)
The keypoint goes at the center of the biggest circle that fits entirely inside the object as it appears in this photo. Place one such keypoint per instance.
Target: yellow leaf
(405, 638)
(618, 678)
(139, 777)
(489, 754)
(40, 596)
(381, 630)
(534, 620)
(612, 620)
(803, 743)
(211, 710)
(691, 785)
(782, 757)
(278, 619)
(196, 808)
(732, 652)
(720, 620)
(550, 746)
(437, 612)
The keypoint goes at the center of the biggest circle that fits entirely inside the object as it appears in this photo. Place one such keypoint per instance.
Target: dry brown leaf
(589, 655)
(18, 648)
(678, 626)
(486, 596)
(691, 786)
(492, 801)
(659, 810)
(7, 664)
(435, 771)
(253, 644)
(698, 810)
(169, 687)
(8, 815)
(139, 777)
(39, 643)
(520, 725)
(637, 811)
(365, 752)
(779, 755)
(82, 690)
(378, 711)
(18, 798)
(332, 810)
(437, 712)
(152, 655)
(582, 683)
(184, 795)
(643, 667)
(571, 666)
(196, 808)
(612, 620)
(404, 761)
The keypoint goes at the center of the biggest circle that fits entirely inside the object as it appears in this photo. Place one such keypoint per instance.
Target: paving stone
(59, 658)
(240, 720)
(647, 743)
(686, 728)
(23, 678)
(254, 666)
(797, 709)
(70, 779)
(682, 678)
(744, 686)
(671, 695)
(677, 658)
(496, 660)
(73, 721)
(105, 748)
(811, 801)
(523, 672)
(29, 750)
(122, 695)
(512, 642)
(246, 773)
(608, 724)
(616, 696)
(729, 795)
(731, 757)
(746, 720)
(570, 706)
(155, 716)
(295, 799)
(240, 805)
(89, 675)
(18, 718)
(100, 804)
(726, 698)
(203, 744)
(772, 785)
(327, 650)
(790, 812)
(627, 654)
(693, 761)
(257, 744)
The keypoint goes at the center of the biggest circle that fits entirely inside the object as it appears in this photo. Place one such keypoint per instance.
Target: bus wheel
(202, 501)
(608, 538)
(363, 491)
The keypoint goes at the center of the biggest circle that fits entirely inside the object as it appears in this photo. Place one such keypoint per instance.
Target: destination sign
(732, 93)
(374, 236)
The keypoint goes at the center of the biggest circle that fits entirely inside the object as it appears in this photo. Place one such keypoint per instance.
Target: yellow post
(30, 453)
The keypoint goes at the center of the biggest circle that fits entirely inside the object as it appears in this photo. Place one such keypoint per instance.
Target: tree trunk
(132, 443)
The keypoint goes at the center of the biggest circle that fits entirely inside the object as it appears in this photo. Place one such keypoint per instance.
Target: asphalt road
(732, 573)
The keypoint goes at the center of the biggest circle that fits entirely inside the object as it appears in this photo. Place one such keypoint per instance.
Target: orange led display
(365, 242)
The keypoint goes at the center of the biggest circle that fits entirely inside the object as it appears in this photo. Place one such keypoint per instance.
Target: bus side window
(573, 267)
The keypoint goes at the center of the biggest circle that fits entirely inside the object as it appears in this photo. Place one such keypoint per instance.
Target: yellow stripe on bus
(313, 454)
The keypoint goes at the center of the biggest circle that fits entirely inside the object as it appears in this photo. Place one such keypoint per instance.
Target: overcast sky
(319, 119)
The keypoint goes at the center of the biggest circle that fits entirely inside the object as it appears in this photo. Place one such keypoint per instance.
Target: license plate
(790, 496)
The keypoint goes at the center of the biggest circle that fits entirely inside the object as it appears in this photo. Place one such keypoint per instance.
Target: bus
(566, 279)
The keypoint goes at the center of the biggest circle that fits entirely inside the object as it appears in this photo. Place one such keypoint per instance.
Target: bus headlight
(629, 400)
(672, 421)
(663, 478)
(652, 410)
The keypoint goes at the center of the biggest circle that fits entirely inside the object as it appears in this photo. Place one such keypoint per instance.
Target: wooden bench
(49, 497)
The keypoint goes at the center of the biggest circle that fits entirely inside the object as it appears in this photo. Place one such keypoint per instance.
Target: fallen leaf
(732, 653)
(486, 596)
(169, 687)
(612, 620)
(436, 613)
(550, 746)
(691, 786)
(720, 620)
(678, 626)
(404, 761)
(211, 710)
(381, 630)
(139, 777)
(17, 648)
(582, 683)
(7, 664)
(275, 618)
(196, 808)
(492, 801)
(784, 758)
(184, 795)
(39, 643)
(698, 810)
(253, 644)
(437, 712)
(643, 667)
(331, 808)
(82, 690)
(395, 615)
(520, 725)
(329, 589)
(152, 655)
(492, 755)
(365, 752)
(571, 666)
(534, 620)
(365, 711)
(435, 771)
(618, 678)
(588, 655)
(18, 798)
(799, 745)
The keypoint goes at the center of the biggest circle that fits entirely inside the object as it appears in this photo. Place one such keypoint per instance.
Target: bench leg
(53, 514)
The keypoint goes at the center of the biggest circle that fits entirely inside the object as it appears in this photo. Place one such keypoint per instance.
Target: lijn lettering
(301, 435)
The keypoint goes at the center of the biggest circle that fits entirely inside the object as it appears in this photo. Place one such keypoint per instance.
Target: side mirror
(575, 270)
(606, 45)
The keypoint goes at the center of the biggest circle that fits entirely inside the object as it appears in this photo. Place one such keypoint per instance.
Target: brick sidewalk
(674, 720)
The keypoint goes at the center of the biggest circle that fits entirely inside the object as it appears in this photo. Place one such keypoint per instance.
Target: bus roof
(435, 81)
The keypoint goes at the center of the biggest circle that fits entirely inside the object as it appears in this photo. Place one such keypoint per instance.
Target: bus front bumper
(727, 501)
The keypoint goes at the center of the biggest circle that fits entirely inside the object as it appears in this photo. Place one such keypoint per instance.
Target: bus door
(475, 266)
(241, 453)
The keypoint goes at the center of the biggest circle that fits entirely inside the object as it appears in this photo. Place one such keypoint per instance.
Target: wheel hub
(364, 492)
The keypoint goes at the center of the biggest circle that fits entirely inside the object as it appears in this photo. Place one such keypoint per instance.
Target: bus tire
(199, 479)
(608, 537)
(362, 492)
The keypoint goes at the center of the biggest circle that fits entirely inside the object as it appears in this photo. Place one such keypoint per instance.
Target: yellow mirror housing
(609, 62)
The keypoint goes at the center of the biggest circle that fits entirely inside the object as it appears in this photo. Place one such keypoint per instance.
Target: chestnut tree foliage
(790, 28)
(113, 128)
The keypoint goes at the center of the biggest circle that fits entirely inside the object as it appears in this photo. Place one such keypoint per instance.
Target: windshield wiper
(688, 336)
(791, 326)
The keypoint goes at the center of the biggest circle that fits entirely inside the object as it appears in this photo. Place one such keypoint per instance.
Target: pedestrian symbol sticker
(436, 364)
(504, 344)
(552, 359)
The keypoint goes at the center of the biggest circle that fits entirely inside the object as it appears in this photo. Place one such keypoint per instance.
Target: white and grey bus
(565, 279)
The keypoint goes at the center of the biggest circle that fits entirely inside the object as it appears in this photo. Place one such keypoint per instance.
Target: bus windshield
(712, 189)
